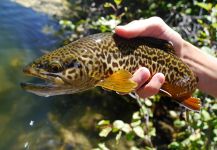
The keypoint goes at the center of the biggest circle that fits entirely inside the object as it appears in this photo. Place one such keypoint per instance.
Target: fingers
(152, 27)
(141, 76)
(152, 87)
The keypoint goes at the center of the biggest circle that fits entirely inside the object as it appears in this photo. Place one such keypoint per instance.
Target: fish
(109, 61)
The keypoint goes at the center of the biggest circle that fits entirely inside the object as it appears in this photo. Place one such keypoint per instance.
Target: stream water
(22, 38)
(28, 121)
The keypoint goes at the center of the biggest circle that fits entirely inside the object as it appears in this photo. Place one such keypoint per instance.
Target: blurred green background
(84, 121)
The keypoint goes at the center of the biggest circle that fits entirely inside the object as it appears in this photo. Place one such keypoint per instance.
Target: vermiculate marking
(108, 60)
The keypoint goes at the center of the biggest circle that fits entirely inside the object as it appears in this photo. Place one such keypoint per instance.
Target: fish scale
(108, 60)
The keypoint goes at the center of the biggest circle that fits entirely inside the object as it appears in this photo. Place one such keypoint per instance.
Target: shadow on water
(32, 122)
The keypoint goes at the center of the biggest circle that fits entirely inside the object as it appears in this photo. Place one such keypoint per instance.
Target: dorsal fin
(164, 45)
(169, 48)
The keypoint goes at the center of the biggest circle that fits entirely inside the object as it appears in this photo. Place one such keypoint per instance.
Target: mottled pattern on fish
(96, 57)
(109, 53)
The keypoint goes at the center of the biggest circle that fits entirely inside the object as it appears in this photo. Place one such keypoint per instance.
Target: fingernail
(161, 77)
(119, 27)
(142, 71)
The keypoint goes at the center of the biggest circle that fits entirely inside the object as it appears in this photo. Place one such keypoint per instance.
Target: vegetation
(159, 123)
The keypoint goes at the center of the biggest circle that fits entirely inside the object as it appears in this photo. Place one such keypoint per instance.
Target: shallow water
(21, 39)
(28, 121)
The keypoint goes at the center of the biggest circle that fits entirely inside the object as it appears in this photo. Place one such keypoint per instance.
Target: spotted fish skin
(83, 63)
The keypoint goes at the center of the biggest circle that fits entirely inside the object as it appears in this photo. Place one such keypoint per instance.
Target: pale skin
(203, 65)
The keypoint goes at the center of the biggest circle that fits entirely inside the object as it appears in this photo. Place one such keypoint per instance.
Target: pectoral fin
(192, 103)
(119, 81)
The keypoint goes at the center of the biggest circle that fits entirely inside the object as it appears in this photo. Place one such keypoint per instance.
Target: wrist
(203, 65)
(185, 50)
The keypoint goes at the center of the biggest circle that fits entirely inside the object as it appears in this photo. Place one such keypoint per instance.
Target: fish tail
(192, 103)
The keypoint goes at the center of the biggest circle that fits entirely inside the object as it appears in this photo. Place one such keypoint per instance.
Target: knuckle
(144, 71)
(179, 36)
(135, 21)
(152, 90)
(157, 19)
(141, 95)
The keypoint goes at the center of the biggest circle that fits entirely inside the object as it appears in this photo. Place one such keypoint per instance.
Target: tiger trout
(108, 60)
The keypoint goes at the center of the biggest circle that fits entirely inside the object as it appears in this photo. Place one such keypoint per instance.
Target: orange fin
(192, 103)
(119, 81)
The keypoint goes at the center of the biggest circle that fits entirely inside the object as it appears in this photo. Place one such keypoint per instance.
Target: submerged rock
(57, 8)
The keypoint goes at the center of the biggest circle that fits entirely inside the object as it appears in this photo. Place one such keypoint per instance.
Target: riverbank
(56, 8)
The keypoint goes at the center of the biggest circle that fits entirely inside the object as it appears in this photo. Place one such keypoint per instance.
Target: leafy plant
(159, 122)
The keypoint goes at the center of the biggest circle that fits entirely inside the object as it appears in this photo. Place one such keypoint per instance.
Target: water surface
(28, 121)
(21, 40)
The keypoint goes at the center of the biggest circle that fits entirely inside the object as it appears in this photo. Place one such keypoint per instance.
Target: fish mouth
(52, 83)
(37, 73)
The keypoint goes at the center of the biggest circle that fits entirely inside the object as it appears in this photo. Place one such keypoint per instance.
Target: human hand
(144, 89)
(151, 27)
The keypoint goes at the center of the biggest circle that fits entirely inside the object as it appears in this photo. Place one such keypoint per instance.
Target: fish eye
(55, 66)
(73, 63)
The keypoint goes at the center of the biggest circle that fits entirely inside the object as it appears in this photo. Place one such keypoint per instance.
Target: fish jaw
(44, 75)
(47, 90)
(54, 83)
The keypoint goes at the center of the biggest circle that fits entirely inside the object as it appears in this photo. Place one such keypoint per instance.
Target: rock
(57, 8)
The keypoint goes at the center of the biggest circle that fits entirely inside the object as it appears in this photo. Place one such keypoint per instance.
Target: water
(28, 121)
(21, 39)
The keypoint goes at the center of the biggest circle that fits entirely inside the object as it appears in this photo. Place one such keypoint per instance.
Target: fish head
(63, 74)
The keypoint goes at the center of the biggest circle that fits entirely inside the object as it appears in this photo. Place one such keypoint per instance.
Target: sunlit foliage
(158, 123)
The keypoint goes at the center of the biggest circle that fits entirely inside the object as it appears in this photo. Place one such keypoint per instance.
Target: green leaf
(195, 136)
(214, 25)
(130, 136)
(107, 5)
(152, 132)
(196, 116)
(103, 122)
(136, 116)
(206, 6)
(205, 126)
(117, 2)
(205, 115)
(174, 145)
(139, 131)
(200, 142)
(149, 148)
(104, 132)
(173, 114)
(126, 128)
(200, 21)
(148, 102)
(136, 123)
(215, 131)
(179, 123)
(102, 146)
(134, 148)
(214, 107)
(118, 136)
(188, 11)
(118, 124)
